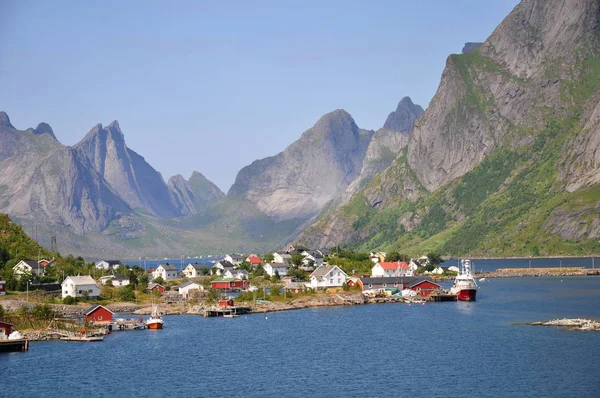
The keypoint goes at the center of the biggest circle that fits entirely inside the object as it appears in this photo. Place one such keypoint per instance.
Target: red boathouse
(98, 314)
(424, 287)
(229, 284)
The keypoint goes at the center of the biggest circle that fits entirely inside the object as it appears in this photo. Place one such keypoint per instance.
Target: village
(234, 285)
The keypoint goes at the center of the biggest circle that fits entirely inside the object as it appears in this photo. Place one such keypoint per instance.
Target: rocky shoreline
(577, 324)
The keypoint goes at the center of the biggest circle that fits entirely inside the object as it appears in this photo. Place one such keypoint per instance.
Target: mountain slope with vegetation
(506, 159)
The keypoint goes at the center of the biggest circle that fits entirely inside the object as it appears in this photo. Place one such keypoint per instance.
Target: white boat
(155, 321)
(465, 286)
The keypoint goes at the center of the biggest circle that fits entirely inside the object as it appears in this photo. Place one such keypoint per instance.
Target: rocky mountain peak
(538, 33)
(403, 118)
(44, 128)
(5, 121)
(471, 46)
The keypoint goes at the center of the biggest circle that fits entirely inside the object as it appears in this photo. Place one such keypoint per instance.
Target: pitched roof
(225, 280)
(32, 263)
(393, 265)
(236, 257)
(421, 281)
(224, 264)
(168, 267)
(81, 280)
(197, 266)
(94, 308)
(254, 260)
(313, 253)
(152, 285)
(324, 270)
(284, 255)
(188, 284)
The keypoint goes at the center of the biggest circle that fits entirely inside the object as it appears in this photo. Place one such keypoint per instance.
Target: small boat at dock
(465, 286)
(155, 321)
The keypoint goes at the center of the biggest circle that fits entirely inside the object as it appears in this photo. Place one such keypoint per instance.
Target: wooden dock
(14, 345)
(227, 312)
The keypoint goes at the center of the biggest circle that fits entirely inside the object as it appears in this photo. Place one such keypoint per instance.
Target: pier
(14, 345)
(227, 312)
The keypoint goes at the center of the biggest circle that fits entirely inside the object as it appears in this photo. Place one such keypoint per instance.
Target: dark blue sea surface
(392, 350)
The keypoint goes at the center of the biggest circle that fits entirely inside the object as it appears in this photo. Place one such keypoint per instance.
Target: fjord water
(395, 350)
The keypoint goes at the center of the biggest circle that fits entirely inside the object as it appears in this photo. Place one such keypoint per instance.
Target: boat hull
(154, 325)
(467, 295)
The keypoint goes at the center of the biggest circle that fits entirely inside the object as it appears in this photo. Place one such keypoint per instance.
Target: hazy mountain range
(505, 160)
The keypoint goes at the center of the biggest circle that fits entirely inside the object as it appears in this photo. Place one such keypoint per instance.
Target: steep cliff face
(506, 158)
(386, 144)
(127, 172)
(517, 80)
(317, 168)
(44, 181)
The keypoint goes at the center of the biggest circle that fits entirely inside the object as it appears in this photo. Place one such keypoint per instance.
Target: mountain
(505, 159)
(314, 170)
(127, 172)
(43, 180)
(386, 143)
(194, 195)
(403, 118)
(100, 197)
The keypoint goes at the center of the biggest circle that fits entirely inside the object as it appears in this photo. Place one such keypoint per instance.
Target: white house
(282, 258)
(75, 286)
(184, 290)
(389, 269)
(235, 273)
(327, 276)
(221, 266)
(166, 271)
(270, 269)
(30, 266)
(453, 268)
(193, 270)
(235, 259)
(312, 256)
(115, 280)
(107, 264)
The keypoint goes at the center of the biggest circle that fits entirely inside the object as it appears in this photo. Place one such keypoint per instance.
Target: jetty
(14, 345)
(226, 312)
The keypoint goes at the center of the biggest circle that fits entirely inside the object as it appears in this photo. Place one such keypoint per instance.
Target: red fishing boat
(155, 321)
(465, 286)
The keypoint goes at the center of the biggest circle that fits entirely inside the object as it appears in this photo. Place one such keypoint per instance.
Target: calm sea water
(394, 350)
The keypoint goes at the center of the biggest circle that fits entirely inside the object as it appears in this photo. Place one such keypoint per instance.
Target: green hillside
(513, 203)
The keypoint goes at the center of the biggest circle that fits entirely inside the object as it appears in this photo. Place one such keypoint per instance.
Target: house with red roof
(391, 268)
(254, 260)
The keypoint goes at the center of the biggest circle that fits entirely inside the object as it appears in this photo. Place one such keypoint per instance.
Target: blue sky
(213, 85)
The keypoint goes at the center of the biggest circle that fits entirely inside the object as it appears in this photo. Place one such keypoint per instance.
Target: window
(100, 317)
(91, 291)
(331, 281)
(385, 285)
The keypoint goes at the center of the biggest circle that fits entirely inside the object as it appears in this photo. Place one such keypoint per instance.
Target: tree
(276, 276)
(213, 295)
(142, 282)
(2, 312)
(246, 265)
(268, 258)
(435, 258)
(85, 295)
(395, 256)
(159, 280)
(297, 259)
(205, 271)
(126, 293)
(69, 300)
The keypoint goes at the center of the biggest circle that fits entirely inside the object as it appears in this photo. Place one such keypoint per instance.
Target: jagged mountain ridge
(506, 157)
(89, 188)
